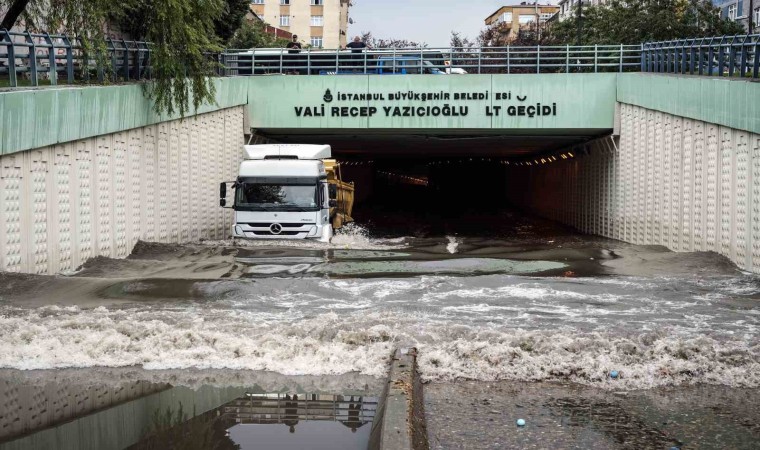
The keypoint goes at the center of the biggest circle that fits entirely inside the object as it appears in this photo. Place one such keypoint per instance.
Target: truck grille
(282, 233)
(284, 225)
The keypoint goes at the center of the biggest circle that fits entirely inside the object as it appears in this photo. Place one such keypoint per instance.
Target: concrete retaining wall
(63, 204)
(682, 183)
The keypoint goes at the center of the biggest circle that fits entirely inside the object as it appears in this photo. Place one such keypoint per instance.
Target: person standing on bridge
(294, 47)
(357, 46)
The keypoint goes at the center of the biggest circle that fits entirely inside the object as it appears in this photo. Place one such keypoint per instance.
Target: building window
(732, 10)
(284, 2)
(756, 20)
(506, 17)
(316, 41)
(317, 2)
(284, 21)
(317, 21)
(257, 2)
(527, 18)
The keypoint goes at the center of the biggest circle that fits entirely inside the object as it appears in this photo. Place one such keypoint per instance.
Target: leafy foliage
(180, 69)
(637, 21)
(254, 35)
(182, 33)
(373, 42)
(231, 18)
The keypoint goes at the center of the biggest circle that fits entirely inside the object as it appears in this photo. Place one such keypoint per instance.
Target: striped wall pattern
(63, 204)
(667, 180)
(28, 407)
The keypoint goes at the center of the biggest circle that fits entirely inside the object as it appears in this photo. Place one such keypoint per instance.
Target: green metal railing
(731, 56)
(34, 59)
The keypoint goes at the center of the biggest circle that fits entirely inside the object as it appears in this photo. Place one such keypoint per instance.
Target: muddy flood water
(279, 344)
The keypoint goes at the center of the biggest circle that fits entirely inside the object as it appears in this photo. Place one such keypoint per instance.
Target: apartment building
(524, 15)
(319, 23)
(569, 8)
(739, 11)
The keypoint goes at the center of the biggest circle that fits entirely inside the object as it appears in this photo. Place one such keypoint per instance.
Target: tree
(254, 35)
(637, 21)
(463, 50)
(231, 18)
(373, 42)
(181, 33)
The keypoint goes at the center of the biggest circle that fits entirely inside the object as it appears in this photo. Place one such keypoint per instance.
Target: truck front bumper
(277, 231)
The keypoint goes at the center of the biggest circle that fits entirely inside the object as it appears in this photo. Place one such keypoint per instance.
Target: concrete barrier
(400, 422)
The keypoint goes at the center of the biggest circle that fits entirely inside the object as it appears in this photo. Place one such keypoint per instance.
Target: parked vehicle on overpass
(288, 191)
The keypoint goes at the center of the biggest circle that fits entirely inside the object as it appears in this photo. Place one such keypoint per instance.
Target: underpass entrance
(423, 184)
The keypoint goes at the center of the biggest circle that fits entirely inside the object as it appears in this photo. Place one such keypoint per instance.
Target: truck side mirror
(332, 191)
(223, 194)
(333, 203)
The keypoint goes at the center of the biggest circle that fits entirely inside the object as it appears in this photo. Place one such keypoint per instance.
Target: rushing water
(519, 308)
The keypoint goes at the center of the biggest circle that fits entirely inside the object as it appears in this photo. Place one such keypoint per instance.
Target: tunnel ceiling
(438, 143)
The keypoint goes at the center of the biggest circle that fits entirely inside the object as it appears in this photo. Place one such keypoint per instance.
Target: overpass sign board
(520, 102)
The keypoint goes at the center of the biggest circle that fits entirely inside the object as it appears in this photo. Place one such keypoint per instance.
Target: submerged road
(531, 302)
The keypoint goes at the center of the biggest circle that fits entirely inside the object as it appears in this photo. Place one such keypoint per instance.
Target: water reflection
(59, 412)
(424, 257)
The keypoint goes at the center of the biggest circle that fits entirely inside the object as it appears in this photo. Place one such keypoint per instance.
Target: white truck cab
(282, 192)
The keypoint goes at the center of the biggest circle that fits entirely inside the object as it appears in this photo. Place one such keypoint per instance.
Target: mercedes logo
(275, 228)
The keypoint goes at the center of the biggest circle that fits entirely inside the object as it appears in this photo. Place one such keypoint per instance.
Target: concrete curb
(400, 422)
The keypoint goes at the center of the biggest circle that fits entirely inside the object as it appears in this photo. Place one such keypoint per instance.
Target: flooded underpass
(513, 316)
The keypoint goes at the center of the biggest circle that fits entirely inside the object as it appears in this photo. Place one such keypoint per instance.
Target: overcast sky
(429, 21)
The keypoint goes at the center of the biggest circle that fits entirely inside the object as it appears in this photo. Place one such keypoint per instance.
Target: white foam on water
(451, 247)
(525, 291)
(329, 342)
(351, 236)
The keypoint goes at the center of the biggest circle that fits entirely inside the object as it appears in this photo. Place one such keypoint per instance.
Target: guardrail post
(32, 53)
(281, 58)
(731, 56)
(710, 56)
(364, 55)
(692, 56)
(508, 62)
(743, 58)
(756, 59)
(126, 59)
(567, 58)
(480, 57)
(52, 72)
(69, 59)
(337, 61)
(620, 65)
(13, 81)
(596, 55)
(538, 59)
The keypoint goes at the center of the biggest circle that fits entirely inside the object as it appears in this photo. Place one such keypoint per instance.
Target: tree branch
(17, 7)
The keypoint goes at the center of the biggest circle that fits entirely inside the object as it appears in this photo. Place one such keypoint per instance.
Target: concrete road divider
(400, 422)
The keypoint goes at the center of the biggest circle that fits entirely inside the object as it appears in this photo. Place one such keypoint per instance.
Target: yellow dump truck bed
(340, 214)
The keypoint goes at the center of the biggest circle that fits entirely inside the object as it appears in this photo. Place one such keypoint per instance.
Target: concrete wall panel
(728, 102)
(678, 182)
(63, 204)
(43, 117)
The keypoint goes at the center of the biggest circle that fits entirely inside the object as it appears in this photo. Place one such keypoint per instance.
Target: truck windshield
(277, 196)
